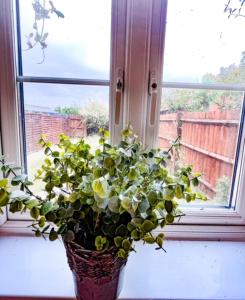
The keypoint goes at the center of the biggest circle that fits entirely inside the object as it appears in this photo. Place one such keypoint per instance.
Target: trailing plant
(38, 37)
(111, 198)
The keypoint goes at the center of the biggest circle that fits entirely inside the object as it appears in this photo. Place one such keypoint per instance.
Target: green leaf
(168, 204)
(195, 181)
(135, 234)
(178, 192)
(118, 241)
(100, 242)
(49, 186)
(55, 154)
(169, 218)
(130, 226)
(149, 239)
(122, 254)
(133, 174)
(159, 241)
(59, 14)
(15, 206)
(100, 187)
(41, 222)
(108, 162)
(31, 203)
(114, 204)
(4, 197)
(106, 134)
(126, 245)
(18, 179)
(50, 216)
(126, 203)
(143, 205)
(53, 235)
(3, 183)
(45, 208)
(147, 226)
(38, 233)
(188, 198)
(121, 230)
(152, 197)
(34, 212)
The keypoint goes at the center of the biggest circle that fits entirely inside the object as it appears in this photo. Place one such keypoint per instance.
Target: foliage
(222, 190)
(96, 114)
(109, 199)
(235, 8)
(39, 36)
(189, 100)
(200, 100)
(68, 110)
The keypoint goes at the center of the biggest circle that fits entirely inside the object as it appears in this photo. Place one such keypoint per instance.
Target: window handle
(153, 90)
(119, 92)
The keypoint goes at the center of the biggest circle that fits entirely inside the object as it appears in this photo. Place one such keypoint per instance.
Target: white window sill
(37, 269)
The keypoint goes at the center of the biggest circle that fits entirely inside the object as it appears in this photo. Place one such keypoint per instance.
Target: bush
(96, 114)
(222, 190)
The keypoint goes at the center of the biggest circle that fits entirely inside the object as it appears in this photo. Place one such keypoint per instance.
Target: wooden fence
(208, 142)
(52, 125)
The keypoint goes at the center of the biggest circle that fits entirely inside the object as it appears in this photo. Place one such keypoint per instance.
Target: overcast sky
(200, 38)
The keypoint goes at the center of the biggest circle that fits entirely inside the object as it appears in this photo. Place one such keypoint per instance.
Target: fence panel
(208, 142)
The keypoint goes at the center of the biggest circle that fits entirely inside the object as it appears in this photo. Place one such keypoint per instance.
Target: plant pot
(97, 274)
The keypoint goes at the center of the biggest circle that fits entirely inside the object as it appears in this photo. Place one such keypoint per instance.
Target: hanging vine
(235, 8)
(43, 10)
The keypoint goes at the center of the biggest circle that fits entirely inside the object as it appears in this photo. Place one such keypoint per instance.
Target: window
(203, 94)
(195, 90)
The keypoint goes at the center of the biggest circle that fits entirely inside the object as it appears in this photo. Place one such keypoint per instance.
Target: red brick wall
(52, 126)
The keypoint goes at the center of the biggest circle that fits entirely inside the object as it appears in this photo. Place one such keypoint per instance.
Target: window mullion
(158, 28)
(139, 15)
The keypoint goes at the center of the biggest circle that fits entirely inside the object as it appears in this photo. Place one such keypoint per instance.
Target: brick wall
(52, 125)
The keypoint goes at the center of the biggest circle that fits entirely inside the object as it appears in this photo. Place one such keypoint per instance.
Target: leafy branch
(235, 11)
(39, 36)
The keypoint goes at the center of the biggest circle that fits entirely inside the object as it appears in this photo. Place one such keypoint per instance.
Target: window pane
(78, 45)
(203, 44)
(51, 109)
(208, 125)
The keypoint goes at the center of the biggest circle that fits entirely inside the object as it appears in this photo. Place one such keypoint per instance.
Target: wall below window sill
(32, 268)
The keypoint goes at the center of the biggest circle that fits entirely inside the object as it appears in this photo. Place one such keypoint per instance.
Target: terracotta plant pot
(97, 275)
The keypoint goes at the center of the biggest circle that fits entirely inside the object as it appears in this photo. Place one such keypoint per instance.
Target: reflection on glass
(77, 45)
(50, 109)
(208, 124)
(203, 44)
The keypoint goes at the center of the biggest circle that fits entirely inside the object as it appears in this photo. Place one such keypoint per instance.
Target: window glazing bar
(57, 80)
(205, 86)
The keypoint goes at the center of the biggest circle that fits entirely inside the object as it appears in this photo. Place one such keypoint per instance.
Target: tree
(72, 110)
(200, 100)
(97, 116)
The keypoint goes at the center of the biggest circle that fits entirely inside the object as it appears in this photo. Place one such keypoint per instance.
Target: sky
(199, 39)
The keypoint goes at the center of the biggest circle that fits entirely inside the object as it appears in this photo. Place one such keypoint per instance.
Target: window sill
(176, 231)
(37, 269)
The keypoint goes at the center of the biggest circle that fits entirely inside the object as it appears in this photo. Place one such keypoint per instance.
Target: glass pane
(203, 44)
(208, 125)
(77, 45)
(51, 109)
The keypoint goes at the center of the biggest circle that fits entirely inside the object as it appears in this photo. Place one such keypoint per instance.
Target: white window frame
(136, 58)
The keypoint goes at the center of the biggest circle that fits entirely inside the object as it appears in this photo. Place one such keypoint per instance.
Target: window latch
(119, 92)
(152, 90)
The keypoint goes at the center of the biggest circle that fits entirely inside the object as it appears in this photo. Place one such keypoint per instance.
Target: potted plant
(100, 204)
